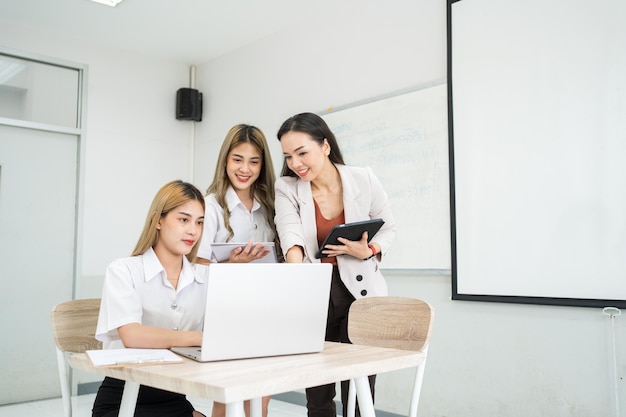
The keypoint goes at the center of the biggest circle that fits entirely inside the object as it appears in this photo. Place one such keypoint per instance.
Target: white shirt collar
(151, 265)
(152, 268)
(233, 200)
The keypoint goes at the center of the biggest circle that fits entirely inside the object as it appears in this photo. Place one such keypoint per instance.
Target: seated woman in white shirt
(156, 297)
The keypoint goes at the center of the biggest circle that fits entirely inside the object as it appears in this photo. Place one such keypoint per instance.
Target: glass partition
(38, 92)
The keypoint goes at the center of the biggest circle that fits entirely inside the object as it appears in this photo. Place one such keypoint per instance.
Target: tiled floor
(82, 408)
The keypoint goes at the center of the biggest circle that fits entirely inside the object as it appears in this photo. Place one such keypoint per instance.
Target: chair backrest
(74, 325)
(391, 322)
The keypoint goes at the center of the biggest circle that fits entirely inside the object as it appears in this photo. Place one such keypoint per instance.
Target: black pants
(321, 400)
(151, 402)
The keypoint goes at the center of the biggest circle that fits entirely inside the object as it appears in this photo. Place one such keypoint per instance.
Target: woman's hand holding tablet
(350, 231)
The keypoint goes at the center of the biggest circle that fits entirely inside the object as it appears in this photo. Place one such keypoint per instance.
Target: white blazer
(363, 199)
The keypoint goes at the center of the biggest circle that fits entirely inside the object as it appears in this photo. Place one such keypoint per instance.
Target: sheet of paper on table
(120, 357)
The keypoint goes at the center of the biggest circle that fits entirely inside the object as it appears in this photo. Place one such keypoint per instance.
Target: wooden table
(232, 382)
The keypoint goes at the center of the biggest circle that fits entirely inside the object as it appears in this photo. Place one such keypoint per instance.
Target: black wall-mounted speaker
(189, 104)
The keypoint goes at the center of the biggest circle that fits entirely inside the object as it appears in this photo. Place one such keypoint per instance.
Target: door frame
(79, 131)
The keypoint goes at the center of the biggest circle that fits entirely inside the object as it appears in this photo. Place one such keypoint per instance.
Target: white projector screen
(537, 130)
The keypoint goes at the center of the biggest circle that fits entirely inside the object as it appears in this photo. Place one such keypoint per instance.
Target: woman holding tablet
(316, 192)
(240, 199)
(240, 206)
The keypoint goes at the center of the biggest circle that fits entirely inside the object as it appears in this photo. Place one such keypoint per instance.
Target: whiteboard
(404, 139)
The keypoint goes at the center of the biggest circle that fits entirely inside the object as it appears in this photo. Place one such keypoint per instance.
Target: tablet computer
(351, 231)
(222, 251)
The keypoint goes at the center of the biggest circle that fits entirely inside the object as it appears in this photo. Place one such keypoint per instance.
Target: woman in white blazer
(316, 192)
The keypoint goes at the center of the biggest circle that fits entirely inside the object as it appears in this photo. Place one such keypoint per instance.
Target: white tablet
(222, 251)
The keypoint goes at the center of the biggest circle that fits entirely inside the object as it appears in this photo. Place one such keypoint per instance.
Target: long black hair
(316, 127)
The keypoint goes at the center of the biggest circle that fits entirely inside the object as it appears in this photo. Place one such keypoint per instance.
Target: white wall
(485, 359)
(360, 50)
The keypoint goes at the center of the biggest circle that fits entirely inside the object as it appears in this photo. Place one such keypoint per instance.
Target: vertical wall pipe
(192, 139)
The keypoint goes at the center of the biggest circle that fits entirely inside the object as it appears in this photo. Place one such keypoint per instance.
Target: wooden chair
(74, 328)
(391, 322)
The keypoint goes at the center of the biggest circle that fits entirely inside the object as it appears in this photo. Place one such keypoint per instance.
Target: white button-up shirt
(136, 290)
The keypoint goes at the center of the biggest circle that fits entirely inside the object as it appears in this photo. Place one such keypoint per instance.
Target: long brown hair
(262, 189)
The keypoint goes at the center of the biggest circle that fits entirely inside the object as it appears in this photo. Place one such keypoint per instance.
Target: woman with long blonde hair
(240, 206)
(155, 298)
(240, 199)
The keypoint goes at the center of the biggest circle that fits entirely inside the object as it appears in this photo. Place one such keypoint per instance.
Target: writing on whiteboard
(404, 139)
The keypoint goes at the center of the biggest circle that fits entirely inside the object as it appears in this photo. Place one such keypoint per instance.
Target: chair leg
(66, 394)
(351, 399)
(364, 396)
(417, 388)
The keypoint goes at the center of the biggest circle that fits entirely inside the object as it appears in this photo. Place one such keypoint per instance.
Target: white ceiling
(187, 31)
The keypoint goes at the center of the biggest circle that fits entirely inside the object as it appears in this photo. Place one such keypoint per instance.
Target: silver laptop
(260, 309)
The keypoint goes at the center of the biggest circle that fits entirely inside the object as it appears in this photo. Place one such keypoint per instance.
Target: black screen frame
(456, 295)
